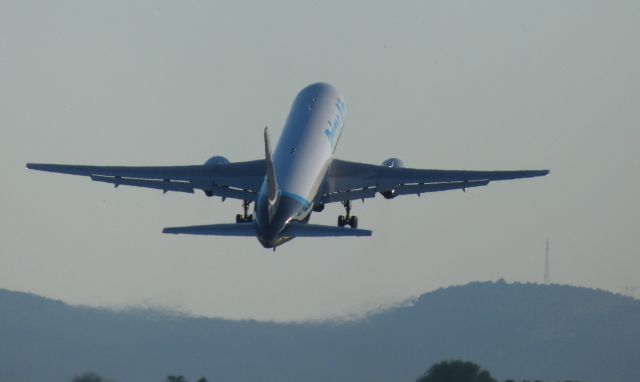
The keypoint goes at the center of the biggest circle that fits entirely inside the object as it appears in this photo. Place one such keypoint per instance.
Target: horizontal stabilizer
(231, 229)
(316, 230)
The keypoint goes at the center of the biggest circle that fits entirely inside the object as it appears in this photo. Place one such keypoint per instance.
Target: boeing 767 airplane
(299, 177)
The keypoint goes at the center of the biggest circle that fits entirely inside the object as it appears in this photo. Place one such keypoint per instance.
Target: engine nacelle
(389, 194)
(393, 162)
(318, 207)
(217, 160)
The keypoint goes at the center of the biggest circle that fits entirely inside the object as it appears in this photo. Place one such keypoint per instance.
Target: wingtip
(36, 166)
(536, 173)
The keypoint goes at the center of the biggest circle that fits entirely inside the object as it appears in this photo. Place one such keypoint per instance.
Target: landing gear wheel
(349, 220)
(244, 217)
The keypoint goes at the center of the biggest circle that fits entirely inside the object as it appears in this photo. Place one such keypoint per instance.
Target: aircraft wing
(240, 180)
(353, 180)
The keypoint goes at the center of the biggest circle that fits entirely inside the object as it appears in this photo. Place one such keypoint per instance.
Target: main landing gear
(349, 220)
(244, 217)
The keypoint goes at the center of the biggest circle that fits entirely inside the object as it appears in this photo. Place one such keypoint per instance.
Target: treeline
(462, 371)
(94, 377)
(444, 371)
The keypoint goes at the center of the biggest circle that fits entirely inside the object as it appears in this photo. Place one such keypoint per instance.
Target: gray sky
(439, 84)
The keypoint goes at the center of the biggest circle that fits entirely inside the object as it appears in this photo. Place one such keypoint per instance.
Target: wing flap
(164, 185)
(402, 189)
(349, 195)
(409, 189)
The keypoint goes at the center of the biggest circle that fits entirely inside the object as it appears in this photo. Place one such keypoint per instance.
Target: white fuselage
(301, 159)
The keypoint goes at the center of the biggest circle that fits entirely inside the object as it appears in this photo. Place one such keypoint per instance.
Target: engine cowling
(217, 160)
(318, 207)
(392, 163)
(389, 194)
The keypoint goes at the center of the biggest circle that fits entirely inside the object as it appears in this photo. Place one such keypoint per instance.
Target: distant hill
(518, 331)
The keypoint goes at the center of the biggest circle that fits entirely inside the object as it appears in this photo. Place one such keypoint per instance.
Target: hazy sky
(439, 84)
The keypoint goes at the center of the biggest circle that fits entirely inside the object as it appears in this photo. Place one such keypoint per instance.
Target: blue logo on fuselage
(335, 126)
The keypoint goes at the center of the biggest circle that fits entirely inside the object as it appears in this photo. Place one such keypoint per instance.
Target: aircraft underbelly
(306, 146)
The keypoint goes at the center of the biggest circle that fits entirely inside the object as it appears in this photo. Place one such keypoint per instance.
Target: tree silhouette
(180, 378)
(89, 377)
(175, 378)
(456, 371)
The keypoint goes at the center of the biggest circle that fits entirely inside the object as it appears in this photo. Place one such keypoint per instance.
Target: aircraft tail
(272, 182)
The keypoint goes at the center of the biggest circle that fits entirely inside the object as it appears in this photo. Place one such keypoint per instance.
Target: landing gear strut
(349, 220)
(244, 217)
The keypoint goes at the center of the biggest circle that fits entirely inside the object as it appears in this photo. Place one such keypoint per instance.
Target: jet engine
(217, 160)
(393, 163)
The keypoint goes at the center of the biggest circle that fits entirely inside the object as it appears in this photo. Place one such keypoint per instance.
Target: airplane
(300, 177)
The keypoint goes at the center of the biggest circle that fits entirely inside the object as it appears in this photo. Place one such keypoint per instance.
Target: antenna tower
(547, 272)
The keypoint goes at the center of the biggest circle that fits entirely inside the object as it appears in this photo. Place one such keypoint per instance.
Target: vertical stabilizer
(272, 183)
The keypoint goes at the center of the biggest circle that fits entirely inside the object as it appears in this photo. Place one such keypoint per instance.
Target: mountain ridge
(409, 302)
(515, 330)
